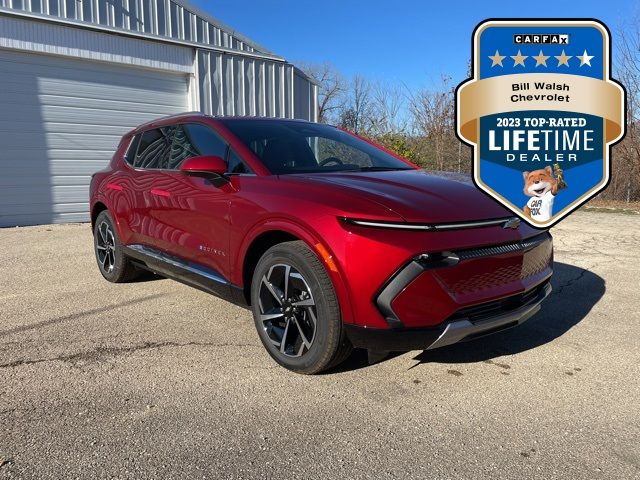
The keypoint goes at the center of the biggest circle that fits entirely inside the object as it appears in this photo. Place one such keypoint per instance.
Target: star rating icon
(541, 59)
(518, 59)
(497, 59)
(585, 58)
(563, 59)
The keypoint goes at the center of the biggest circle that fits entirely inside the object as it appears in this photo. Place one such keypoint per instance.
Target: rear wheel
(113, 264)
(296, 311)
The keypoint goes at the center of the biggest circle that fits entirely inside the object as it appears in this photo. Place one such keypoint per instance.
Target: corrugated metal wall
(231, 85)
(50, 38)
(236, 76)
(72, 77)
(166, 18)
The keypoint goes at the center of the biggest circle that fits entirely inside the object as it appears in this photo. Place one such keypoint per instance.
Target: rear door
(149, 185)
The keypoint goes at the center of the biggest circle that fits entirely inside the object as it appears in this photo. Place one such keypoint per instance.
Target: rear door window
(153, 150)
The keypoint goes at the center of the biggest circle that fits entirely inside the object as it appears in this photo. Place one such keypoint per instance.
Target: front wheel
(296, 311)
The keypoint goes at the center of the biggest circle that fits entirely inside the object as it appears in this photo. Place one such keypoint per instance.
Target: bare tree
(388, 104)
(331, 89)
(625, 178)
(357, 113)
(433, 114)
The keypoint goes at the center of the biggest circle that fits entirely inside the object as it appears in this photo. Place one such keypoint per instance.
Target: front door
(194, 219)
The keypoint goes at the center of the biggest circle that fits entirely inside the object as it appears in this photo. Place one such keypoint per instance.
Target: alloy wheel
(106, 246)
(287, 310)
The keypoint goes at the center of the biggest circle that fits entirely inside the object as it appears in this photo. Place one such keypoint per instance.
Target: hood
(419, 196)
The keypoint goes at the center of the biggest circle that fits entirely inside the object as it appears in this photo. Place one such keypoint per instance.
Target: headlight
(505, 222)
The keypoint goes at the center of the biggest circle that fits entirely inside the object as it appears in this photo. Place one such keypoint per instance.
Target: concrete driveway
(157, 380)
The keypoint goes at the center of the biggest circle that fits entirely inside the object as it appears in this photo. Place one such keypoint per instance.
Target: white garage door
(61, 120)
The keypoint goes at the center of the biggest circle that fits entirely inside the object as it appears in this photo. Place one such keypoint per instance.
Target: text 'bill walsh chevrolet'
(332, 241)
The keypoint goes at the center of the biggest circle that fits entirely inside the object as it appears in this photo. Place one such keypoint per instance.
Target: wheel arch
(260, 244)
(260, 239)
(97, 208)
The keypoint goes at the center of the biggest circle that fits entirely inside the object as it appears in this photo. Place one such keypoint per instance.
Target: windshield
(300, 147)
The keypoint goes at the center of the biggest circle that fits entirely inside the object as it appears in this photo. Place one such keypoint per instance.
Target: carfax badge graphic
(541, 113)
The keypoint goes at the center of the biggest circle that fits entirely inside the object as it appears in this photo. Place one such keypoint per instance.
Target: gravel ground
(158, 380)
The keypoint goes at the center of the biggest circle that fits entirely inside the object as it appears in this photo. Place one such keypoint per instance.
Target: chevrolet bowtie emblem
(513, 223)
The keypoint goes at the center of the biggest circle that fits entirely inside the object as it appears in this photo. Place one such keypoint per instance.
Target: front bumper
(466, 325)
(434, 287)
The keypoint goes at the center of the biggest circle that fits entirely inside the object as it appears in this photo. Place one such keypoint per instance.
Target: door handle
(160, 193)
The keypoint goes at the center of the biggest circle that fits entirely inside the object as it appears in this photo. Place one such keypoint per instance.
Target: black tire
(328, 344)
(112, 262)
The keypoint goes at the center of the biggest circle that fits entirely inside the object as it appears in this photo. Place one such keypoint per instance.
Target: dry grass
(615, 206)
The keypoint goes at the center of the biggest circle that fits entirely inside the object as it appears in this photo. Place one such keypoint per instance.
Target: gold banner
(514, 93)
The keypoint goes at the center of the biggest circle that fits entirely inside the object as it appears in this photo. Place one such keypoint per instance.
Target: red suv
(331, 240)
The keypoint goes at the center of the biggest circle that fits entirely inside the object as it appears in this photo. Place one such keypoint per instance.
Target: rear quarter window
(130, 156)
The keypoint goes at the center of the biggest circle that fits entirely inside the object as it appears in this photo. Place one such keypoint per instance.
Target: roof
(230, 30)
(222, 26)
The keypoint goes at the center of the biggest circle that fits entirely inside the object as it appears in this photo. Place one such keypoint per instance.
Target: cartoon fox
(542, 186)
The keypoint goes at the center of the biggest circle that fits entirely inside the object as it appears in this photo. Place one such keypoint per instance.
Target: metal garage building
(77, 74)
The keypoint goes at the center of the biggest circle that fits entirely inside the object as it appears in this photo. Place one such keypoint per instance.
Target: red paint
(202, 164)
(113, 186)
(185, 212)
(160, 193)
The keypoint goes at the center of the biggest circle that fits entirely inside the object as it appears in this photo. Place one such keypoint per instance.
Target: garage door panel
(13, 84)
(119, 103)
(60, 105)
(44, 180)
(27, 157)
(68, 141)
(82, 142)
(12, 196)
(56, 168)
(139, 80)
(61, 120)
(59, 208)
(102, 92)
(61, 127)
(111, 116)
(74, 116)
(40, 218)
(61, 68)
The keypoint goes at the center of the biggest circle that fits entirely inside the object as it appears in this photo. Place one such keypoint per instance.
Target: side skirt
(189, 273)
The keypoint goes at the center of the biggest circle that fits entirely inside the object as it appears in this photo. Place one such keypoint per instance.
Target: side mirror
(207, 166)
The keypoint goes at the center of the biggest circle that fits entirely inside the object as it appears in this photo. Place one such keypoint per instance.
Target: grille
(483, 311)
(487, 268)
(502, 249)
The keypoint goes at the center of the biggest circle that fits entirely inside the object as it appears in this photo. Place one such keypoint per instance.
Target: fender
(107, 201)
(312, 240)
(100, 198)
